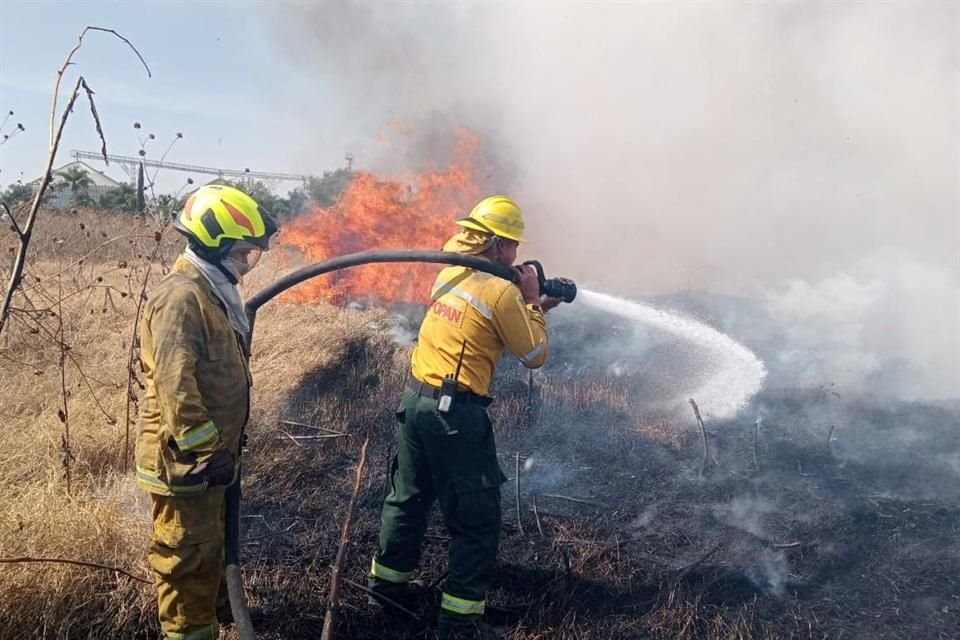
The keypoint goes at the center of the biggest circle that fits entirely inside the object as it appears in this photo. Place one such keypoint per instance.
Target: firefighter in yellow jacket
(196, 403)
(447, 453)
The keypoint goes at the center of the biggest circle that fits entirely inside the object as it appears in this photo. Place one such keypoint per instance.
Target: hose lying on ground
(234, 578)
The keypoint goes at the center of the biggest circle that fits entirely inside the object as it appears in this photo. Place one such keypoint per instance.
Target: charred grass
(789, 535)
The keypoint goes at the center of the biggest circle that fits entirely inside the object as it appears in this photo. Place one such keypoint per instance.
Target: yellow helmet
(498, 215)
(215, 216)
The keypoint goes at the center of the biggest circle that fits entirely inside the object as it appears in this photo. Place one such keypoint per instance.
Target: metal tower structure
(130, 166)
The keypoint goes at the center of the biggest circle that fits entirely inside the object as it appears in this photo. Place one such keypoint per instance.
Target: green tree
(295, 202)
(16, 193)
(258, 190)
(326, 189)
(123, 197)
(82, 199)
(75, 179)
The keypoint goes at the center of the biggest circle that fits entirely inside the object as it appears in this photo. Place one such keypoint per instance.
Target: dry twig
(580, 500)
(64, 413)
(690, 567)
(325, 436)
(310, 426)
(381, 597)
(787, 545)
(333, 602)
(75, 562)
(536, 516)
(703, 437)
(436, 583)
(756, 444)
(517, 470)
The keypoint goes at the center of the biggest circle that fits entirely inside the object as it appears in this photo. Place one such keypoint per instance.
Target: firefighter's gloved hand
(217, 469)
(547, 303)
(529, 284)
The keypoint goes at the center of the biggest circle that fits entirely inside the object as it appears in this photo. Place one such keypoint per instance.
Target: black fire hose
(368, 257)
(234, 579)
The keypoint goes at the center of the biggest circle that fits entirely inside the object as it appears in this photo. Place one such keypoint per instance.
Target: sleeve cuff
(197, 436)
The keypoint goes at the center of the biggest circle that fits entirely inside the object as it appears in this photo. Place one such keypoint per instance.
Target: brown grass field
(857, 538)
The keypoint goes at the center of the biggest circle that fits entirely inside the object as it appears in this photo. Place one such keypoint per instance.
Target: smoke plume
(806, 155)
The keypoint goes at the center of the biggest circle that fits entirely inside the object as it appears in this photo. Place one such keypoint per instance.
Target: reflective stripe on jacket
(197, 384)
(489, 314)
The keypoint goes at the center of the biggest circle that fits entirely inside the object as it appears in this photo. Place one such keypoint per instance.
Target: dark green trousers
(452, 459)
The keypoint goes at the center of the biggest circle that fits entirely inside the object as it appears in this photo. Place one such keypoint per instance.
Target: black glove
(218, 470)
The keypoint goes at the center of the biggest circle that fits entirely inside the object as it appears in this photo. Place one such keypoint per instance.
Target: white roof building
(99, 183)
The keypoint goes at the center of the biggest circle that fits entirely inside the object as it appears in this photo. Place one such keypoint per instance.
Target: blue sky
(213, 69)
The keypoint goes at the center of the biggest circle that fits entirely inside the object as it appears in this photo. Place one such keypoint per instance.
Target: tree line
(75, 188)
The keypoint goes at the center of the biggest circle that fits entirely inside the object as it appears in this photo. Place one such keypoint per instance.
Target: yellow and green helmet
(215, 216)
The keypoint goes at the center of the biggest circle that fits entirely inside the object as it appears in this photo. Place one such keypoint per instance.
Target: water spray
(736, 373)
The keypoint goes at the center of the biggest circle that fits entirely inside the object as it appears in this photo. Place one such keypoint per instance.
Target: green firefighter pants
(450, 458)
(186, 553)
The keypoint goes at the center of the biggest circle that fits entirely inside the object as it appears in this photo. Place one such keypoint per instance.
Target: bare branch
(55, 135)
(96, 119)
(292, 423)
(391, 602)
(703, 437)
(79, 563)
(64, 413)
(517, 472)
(756, 444)
(333, 602)
(693, 565)
(571, 499)
(69, 60)
(536, 516)
(13, 221)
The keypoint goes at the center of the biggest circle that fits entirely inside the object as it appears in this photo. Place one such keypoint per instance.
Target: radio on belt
(448, 388)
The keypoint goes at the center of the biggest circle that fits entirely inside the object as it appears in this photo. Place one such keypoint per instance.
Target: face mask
(241, 260)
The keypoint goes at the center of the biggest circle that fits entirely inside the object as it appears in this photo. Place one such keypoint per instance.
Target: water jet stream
(734, 373)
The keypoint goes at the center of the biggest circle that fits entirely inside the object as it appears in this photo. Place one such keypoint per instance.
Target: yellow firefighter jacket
(197, 382)
(489, 314)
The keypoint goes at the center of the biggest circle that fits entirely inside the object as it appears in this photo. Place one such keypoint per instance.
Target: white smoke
(779, 151)
(888, 325)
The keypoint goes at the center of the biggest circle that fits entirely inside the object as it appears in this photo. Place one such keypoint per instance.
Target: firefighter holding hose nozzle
(446, 450)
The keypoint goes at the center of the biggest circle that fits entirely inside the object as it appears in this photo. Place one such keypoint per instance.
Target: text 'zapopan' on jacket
(489, 314)
(197, 392)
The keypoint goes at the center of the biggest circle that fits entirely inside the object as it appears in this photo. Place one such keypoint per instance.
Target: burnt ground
(793, 530)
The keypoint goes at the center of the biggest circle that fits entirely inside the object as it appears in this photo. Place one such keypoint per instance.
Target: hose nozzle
(561, 288)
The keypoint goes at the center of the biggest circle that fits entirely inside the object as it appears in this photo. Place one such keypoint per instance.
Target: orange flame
(375, 212)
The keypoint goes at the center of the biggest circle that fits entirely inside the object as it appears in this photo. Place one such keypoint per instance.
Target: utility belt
(461, 397)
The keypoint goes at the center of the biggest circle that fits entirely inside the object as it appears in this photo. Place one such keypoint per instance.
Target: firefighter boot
(405, 594)
(460, 627)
